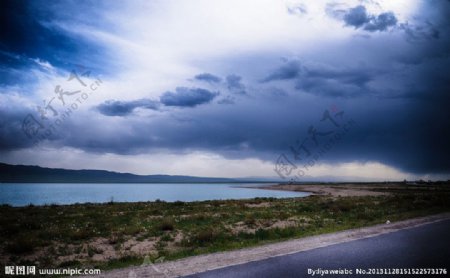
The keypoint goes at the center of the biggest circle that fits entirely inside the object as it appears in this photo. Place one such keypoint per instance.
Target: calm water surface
(21, 194)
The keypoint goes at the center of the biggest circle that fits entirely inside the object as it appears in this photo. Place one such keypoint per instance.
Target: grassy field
(116, 235)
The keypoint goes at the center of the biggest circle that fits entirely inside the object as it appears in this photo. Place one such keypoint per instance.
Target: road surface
(426, 246)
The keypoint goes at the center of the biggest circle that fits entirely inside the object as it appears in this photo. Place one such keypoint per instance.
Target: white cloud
(158, 45)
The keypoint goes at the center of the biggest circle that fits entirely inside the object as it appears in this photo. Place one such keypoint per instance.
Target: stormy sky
(270, 88)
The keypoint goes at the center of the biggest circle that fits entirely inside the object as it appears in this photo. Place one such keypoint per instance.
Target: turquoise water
(22, 194)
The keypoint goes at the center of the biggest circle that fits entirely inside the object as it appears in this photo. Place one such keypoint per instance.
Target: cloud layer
(239, 88)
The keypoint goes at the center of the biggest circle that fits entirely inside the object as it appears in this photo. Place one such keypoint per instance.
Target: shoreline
(336, 190)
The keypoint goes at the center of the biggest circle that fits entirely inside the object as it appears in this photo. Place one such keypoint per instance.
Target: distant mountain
(31, 174)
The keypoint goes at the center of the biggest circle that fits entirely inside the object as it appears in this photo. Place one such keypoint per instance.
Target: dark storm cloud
(223, 129)
(359, 18)
(323, 79)
(290, 70)
(356, 17)
(409, 134)
(124, 108)
(381, 23)
(208, 77)
(334, 82)
(417, 33)
(234, 84)
(182, 97)
(187, 97)
(11, 133)
(406, 134)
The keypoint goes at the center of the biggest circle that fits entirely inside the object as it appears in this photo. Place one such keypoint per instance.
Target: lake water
(22, 194)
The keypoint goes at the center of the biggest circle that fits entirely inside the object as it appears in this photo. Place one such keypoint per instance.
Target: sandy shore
(335, 190)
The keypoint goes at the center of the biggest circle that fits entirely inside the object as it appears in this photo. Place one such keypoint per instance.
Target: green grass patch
(182, 229)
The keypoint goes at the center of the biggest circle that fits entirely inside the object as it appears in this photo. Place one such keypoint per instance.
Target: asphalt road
(426, 246)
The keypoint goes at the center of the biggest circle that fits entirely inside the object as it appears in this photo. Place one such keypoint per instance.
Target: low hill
(36, 174)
